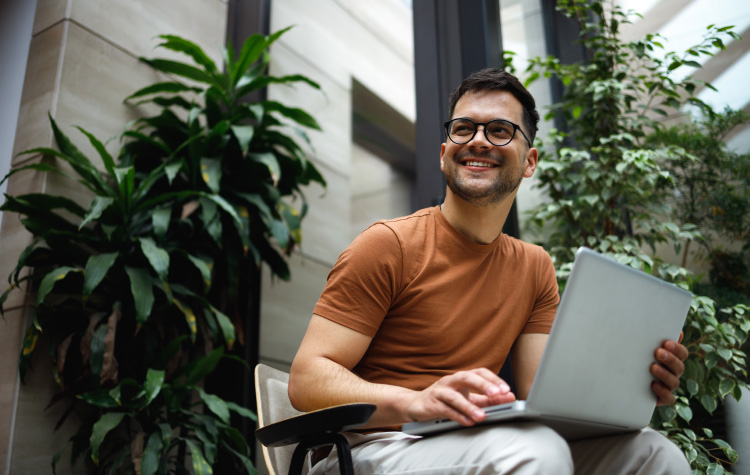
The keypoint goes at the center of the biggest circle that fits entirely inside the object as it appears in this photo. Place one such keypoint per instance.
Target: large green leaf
(226, 206)
(50, 279)
(157, 257)
(250, 52)
(26, 254)
(249, 83)
(277, 227)
(96, 269)
(126, 182)
(166, 432)
(99, 398)
(109, 162)
(243, 411)
(98, 206)
(152, 386)
(269, 160)
(162, 87)
(160, 219)
(293, 220)
(181, 45)
(226, 325)
(78, 160)
(152, 454)
(180, 69)
(30, 339)
(280, 233)
(257, 201)
(143, 293)
(211, 173)
(204, 266)
(40, 204)
(294, 113)
(200, 465)
(726, 387)
(172, 169)
(101, 428)
(216, 404)
(211, 220)
(245, 459)
(42, 167)
(141, 139)
(88, 183)
(243, 134)
(190, 319)
(208, 441)
(709, 402)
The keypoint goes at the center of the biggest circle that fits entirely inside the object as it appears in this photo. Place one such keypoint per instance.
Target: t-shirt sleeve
(547, 297)
(364, 282)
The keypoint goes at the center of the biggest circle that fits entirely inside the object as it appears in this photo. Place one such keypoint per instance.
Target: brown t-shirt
(436, 302)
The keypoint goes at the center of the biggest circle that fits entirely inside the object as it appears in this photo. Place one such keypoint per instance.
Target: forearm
(319, 382)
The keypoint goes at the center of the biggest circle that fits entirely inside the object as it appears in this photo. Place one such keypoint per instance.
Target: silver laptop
(594, 377)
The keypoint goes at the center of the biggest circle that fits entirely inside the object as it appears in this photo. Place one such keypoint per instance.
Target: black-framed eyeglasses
(498, 132)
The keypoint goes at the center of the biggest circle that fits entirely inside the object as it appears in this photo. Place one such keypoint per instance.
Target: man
(420, 312)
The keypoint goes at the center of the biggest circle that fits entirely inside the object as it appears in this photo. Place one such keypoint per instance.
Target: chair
(287, 434)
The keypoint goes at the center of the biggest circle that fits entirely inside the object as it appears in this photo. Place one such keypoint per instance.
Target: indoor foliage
(713, 192)
(136, 291)
(606, 189)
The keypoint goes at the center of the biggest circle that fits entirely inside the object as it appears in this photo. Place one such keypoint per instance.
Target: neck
(481, 224)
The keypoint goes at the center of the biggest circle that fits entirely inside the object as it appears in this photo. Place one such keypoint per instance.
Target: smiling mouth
(475, 163)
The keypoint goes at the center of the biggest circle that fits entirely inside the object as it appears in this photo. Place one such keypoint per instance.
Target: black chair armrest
(324, 421)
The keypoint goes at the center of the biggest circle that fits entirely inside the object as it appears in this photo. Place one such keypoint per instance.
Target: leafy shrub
(135, 292)
(607, 189)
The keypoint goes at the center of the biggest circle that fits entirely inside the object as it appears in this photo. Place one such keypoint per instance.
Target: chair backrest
(273, 405)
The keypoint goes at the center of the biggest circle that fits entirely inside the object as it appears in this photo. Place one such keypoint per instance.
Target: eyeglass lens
(498, 132)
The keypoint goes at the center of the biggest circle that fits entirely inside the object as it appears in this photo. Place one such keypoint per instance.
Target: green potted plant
(713, 193)
(607, 190)
(133, 290)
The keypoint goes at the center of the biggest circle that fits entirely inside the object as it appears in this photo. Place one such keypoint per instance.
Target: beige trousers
(519, 449)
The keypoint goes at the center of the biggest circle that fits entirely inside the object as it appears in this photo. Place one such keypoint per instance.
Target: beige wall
(334, 42)
(82, 64)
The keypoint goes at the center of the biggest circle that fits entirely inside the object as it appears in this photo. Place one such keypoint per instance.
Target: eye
(500, 129)
(462, 128)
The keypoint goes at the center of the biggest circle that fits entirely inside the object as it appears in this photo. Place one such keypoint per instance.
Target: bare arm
(321, 376)
(525, 356)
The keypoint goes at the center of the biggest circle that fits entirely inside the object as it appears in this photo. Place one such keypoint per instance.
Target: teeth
(479, 164)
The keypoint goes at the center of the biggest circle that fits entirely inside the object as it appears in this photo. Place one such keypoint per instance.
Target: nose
(480, 138)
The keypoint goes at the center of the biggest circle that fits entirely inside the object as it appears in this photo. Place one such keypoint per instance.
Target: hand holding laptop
(668, 369)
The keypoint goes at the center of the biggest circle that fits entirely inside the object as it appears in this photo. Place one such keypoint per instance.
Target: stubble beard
(494, 192)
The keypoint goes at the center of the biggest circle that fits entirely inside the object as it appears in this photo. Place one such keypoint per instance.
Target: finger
(663, 394)
(671, 362)
(481, 400)
(456, 406)
(480, 380)
(677, 349)
(668, 379)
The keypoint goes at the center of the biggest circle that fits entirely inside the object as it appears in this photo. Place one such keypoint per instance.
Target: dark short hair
(494, 79)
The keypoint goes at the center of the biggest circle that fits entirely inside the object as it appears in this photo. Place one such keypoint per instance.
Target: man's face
(479, 172)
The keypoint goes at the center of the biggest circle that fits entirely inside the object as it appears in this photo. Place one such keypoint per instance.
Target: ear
(532, 158)
(442, 153)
